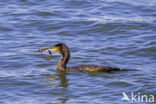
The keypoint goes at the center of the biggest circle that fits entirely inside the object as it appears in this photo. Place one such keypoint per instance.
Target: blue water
(118, 33)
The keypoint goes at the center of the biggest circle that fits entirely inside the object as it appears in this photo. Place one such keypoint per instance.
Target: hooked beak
(52, 48)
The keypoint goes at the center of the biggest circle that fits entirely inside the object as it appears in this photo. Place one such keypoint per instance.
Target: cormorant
(65, 52)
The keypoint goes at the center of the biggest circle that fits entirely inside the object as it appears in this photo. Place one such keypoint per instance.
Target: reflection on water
(63, 100)
(62, 78)
(58, 80)
(51, 79)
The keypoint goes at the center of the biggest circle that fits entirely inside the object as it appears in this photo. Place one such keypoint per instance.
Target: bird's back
(94, 68)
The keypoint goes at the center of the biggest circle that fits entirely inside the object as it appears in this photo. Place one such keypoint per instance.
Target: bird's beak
(54, 48)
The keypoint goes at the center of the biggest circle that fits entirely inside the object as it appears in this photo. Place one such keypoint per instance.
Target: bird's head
(60, 48)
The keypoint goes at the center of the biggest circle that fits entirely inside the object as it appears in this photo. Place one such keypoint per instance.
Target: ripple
(5, 29)
(120, 84)
(7, 74)
(45, 14)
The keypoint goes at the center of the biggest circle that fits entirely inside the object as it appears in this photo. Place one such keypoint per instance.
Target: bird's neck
(63, 62)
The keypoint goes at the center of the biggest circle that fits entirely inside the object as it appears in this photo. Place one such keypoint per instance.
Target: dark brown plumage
(64, 51)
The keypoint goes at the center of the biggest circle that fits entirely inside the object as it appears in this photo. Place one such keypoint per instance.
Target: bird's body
(62, 64)
(93, 68)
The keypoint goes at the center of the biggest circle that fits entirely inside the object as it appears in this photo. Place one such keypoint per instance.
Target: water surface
(118, 33)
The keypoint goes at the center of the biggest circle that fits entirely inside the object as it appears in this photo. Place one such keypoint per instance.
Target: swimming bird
(65, 52)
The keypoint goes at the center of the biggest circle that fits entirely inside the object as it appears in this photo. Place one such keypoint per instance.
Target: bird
(63, 49)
